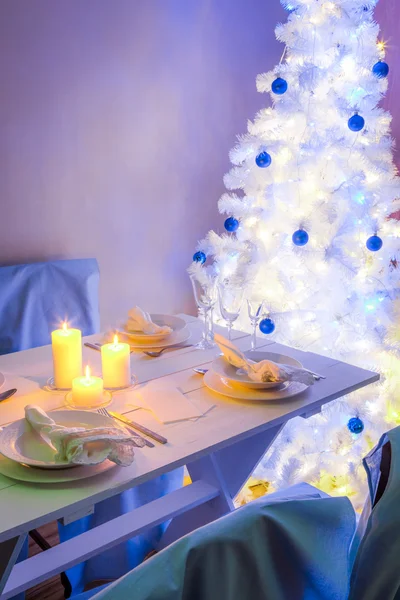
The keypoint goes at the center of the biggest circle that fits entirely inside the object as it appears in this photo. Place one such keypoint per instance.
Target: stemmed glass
(230, 303)
(255, 309)
(205, 295)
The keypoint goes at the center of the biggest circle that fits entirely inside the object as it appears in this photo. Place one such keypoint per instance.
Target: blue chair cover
(291, 546)
(35, 298)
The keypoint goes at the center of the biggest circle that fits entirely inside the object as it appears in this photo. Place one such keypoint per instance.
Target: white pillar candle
(87, 391)
(116, 364)
(67, 356)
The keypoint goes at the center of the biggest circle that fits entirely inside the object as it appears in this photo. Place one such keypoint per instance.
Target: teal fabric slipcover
(289, 547)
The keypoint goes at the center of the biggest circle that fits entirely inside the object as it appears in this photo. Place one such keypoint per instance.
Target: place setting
(257, 376)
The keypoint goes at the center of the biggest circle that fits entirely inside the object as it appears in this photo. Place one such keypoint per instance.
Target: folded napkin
(264, 371)
(139, 320)
(82, 446)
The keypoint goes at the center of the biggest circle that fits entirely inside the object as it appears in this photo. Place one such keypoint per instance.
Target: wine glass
(205, 295)
(230, 303)
(255, 309)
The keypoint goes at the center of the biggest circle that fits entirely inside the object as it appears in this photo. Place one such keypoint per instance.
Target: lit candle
(87, 391)
(116, 364)
(67, 355)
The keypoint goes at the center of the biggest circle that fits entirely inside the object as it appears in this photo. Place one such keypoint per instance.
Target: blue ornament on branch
(300, 237)
(231, 224)
(374, 243)
(279, 86)
(199, 257)
(263, 159)
(267, 325)
(356, 122)
(380, 69)
(355, 425)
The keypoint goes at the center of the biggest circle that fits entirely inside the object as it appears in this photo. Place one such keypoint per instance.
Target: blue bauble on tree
(355, 425)
(380, 69)
(300, 237)
(374, 243)
(199, 257)
(263, 159)
(267, 325)
(231, 224)
(356, 122)
(279, 86)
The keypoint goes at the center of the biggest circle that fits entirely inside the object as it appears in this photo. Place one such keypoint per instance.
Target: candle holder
(51, 386)
(106, 400)
(131, 385)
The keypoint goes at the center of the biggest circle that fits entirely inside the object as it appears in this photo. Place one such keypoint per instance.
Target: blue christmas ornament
(279, 86)
(380, 69)
(231, 224)
(300, 237)
(355, 425)
(263, 159)
(199, 257)
(267, 325)
(356, 122)
(374, 243)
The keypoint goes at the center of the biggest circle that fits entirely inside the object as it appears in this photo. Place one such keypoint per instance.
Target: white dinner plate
(235, 376)
(174, 338)
(14, 470)
(175, 323)
(20, 443)
(2, 380)
(220, 386)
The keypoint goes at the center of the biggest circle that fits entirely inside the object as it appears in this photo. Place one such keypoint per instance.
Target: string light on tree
(314, 182)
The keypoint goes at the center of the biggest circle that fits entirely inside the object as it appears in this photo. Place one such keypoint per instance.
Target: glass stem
(206, 324)
(254, 336)
(229, 330)
(211, 325)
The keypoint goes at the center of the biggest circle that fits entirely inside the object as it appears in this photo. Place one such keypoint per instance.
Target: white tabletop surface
(24, 506)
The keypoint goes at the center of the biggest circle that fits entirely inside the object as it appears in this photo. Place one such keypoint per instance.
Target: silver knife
(141, 428)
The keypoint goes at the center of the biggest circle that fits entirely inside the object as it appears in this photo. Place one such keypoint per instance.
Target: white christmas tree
(308, 209)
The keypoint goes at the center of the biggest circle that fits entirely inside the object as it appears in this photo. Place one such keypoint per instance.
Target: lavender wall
(116, 118)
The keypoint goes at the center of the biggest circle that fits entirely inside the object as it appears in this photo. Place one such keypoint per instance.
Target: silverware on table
(7, 394)
(105, 413)
(156, 353)
(137, 426)
(316, 376)
(200, 371)
(96, 346)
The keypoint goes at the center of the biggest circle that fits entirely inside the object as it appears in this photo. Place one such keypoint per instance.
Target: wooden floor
(52, 588)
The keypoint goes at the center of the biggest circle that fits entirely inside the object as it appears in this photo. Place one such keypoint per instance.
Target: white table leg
(228, 470)
(9, 552)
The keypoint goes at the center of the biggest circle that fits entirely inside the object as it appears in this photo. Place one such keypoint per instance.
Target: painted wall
(116, 118)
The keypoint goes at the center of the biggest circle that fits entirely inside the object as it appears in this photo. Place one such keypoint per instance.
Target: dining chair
(35, 298)
(298, 544)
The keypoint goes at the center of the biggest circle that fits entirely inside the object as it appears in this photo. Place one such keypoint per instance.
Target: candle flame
(65, 326)
(87, 373)
(115, 340)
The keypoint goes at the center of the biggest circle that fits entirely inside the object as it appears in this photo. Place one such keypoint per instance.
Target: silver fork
(105, 413)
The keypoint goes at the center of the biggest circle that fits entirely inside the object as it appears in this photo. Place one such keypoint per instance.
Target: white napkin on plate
(168, 404)
(264, 371)
(139, 320)
(82, 446)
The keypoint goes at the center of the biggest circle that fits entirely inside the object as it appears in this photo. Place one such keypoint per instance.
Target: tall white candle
(116, 364)
(67, 355)
(87, 391)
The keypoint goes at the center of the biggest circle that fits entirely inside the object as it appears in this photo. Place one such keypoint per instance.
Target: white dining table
(219, 449)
